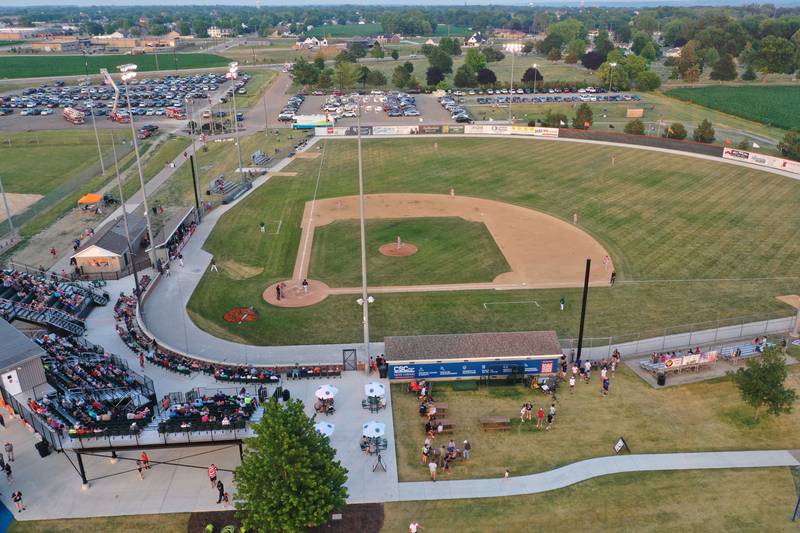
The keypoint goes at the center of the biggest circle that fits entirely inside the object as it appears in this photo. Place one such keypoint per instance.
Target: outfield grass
(32, 66)
(695, 501)
(162, 523)
(774, 105)
(450, 250)
(692, 240)
(707, 416)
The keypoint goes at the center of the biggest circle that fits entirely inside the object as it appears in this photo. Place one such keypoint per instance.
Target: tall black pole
(583, 305)
(194, 182)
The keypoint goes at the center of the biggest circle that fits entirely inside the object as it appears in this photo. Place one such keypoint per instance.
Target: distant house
(504, 33)
(72, 45)
(310, 43)
(218, 33)
(280, 30)
(366, 42)
(672, 52)
(388, 39)
(431, 42)
(475, 40)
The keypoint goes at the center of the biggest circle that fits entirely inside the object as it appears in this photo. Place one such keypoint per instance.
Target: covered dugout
(472, 355)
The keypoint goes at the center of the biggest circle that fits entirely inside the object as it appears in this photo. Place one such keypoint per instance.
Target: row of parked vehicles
(149, 97)
(558, 98)
(291, 108)
(399, 104)
(457, 113)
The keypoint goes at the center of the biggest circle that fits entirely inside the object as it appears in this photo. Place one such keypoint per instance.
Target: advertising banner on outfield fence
(470, 369)
(353, 130)
(536, 131)
(455, 129)
(488, 129)
(761, 159)
(430, 130)
(330, 132)
(395, 130)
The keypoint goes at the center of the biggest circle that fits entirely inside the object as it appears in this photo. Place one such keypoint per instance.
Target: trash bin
(43, 448)
(661, 379)
(383, 371)
(278, 394)
(286, 395)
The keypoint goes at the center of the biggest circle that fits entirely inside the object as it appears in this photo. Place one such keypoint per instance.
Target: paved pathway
(591, 468)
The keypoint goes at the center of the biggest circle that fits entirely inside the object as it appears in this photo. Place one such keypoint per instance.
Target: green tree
(376, 78)
(704, 133)
(576, 47)
(441, 61)
(475, 59)
(450, 46)
(319, 61)
(762, 384)
(583, 117)
(400, 77)
(412, 83)
(184, 28)
(465, 77)
(648, 81)
(635, 127)
(377, 51)
(709, 56)
(395, 54)
(676, 130)
(551, 42)
(555, 120)
(649, 52)
(790, 145)
(554, 54)
(528, 46)
(567, 30)
(749, 74)
(325, 80)
(408, 66)
(434, 75)
(646, 23)
(289, 479)
(603, 44)
(304, 73)
(345, 74)
(776, 54)
(493, 55)
(724, 69)
(639, 41)
(358, 50)
(615, 76)
(486, 77)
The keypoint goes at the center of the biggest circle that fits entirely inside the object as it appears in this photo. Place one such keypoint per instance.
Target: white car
(376, 92)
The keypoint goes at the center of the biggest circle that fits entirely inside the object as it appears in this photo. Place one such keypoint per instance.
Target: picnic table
(490, 423)
(441, 408)
(447, 426)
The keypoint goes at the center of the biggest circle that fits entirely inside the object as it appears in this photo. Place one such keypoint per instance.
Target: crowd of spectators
(206, 413)
(40, 293)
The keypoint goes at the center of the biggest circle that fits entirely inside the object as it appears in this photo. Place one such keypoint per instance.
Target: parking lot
(159, 99)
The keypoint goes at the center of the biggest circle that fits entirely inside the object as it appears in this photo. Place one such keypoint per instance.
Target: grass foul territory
(775, 105)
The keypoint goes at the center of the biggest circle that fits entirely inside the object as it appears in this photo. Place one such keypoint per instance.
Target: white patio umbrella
(374, 429)
(375, 389)
(325, 428)
(326, 392)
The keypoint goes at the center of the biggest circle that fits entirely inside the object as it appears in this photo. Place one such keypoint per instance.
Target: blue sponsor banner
(471, 369)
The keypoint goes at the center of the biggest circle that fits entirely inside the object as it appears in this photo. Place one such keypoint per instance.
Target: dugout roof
(472, 345)
(15, 347)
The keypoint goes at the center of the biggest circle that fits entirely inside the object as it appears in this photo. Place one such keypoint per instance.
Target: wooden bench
(447, 426)
(441, 409)
(492, 423)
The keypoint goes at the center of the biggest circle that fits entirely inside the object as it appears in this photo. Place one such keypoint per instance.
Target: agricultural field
(32, 66)
(345, 30)
(773, 105)
(692, 240)
(263, 55)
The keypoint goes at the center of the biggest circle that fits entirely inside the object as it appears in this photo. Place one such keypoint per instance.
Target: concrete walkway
(591, 468)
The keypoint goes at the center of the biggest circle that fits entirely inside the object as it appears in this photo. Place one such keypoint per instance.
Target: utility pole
(125, 222)
(583, 305)
(365, 298)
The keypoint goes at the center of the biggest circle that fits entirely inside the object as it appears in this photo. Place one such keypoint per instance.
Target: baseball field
(692, 241)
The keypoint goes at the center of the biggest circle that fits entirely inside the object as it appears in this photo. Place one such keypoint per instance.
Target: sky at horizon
(268, 3)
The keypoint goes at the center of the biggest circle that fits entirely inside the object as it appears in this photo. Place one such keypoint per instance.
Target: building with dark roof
(472, 355)
(20, 361)
(107, 250)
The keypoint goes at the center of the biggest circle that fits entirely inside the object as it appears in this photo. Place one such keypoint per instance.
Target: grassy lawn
(168, 150)
(163, 523)
(32, 66)
(259, 81)
(774, 105)
(450, 250)
(267, 55)
(706, 416)
(692, 240)
(345, 30)
(675, 502)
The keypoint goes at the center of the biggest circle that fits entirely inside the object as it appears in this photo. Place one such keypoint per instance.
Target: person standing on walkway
(467, 449)
(9, 476)
(221, 489)
(212, 475)
(10, 451)
(17, 499)
(432, 467)
(145, 460)
(587, 371)
(180, 260)
(572, 384)
(2, 421)
(540, 417)
(141, 360)
(140, 467)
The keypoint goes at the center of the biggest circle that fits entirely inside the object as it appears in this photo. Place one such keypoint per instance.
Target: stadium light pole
(611, 76)
(365, 299)
(128, 73)
(583, 305)
(233, 73)
(513, 49)
(125, 222)
(193, 161)
(94, 122)
(536, 75)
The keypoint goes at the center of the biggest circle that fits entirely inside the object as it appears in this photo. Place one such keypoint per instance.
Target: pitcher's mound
(392, 250)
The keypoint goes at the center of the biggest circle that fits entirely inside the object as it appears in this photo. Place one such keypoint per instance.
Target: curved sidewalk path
(592, 468)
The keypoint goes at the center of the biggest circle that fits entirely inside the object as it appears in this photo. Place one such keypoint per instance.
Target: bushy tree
(554, 54)
(576, 47)
(376, 78)
(790, 145)
(486, 77)
(676, 130)
(649, 52)
(648, 81)
(762, 384)
(325, 80)
(319, 61)
(358, 50)
(555, 120)
(776, 54)
(441, 61)
(395, 54)
(583, 117)
(749, 74)
(724, 69)
(434, 75)
(465, 77)
(532, 75)
(409, 66)
(305, 73)
(493, 55)
(704, 133)
(377, 51)
(450, 46)
(475, 59)
(635, 127)
(603, 44)
(400, 77)
(345, 74)
(592, 60)
(550, 42)
(289, 479)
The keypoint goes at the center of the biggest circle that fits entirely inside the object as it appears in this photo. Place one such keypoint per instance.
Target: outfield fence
(709, 333)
